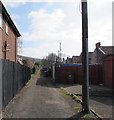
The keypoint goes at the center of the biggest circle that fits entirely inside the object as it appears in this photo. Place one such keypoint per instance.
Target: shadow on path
(48, 82)
(83, 116)
(78, 116)
(45, 82)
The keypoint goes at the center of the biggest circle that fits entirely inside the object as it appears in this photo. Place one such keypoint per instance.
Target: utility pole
(60, 53)
(58, 57)
(85, 66)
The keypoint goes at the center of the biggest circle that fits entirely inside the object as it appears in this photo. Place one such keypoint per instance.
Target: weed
(85, 116)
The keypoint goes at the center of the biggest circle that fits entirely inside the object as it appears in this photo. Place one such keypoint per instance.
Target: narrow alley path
(39, 99)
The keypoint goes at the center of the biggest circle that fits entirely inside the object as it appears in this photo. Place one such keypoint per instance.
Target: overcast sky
(43, 24)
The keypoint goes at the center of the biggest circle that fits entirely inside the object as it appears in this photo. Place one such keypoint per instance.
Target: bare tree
(52, 57)
(48, 60)
(28, 62)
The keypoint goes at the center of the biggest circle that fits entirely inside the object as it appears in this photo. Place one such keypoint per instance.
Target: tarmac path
(100, 98)
(39, 99)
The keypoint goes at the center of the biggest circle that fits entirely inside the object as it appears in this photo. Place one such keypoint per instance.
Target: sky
(43, 24)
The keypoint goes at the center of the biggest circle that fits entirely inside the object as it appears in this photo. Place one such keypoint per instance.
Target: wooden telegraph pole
(85, 84)
(60, 53)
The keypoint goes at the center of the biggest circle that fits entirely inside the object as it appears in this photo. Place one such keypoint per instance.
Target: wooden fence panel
(14, 78)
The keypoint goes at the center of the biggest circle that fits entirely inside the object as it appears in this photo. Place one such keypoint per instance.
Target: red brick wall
(95, 74)
(11, 39)
(0, 43)
(63, 73)
(108, 65)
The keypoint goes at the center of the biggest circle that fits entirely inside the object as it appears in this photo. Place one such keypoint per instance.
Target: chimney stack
(98, 45)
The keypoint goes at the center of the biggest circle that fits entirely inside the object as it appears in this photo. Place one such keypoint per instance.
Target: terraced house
(8, 36)
(100, 53)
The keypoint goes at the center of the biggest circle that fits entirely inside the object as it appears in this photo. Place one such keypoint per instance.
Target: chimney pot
(98, 45)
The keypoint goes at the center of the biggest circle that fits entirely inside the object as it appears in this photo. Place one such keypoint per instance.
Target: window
(0, 20)
(6, 28)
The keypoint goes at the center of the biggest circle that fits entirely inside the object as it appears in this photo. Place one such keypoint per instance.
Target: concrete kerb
(77, 99)
(95, 113)
(0, 116)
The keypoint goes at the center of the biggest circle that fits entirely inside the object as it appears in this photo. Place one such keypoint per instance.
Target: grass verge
(79, 107)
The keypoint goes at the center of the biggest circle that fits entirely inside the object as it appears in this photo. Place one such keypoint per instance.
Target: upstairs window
(0, 20)
(7, 28)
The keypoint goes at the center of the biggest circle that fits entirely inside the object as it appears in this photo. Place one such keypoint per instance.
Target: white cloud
(43, 21)
(45, 26)
(64, 25)
(68, 48)
(100, 2)
(23, 1)
(15, 16)
(100, 31)
(33, 52)
(49, 29)
(15, 3)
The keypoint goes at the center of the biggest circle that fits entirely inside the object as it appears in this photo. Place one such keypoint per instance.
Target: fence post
(0, 86)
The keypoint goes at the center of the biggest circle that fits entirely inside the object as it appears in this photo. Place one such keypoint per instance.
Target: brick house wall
(10, 39)
(0, 43)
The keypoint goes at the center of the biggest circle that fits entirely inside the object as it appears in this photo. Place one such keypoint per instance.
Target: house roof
(107, 49)
(8, 19)
(75, 57)
(106, 56)
(89, 54)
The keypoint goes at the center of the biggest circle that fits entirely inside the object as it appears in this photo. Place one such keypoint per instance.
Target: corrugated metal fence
(14, 78)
